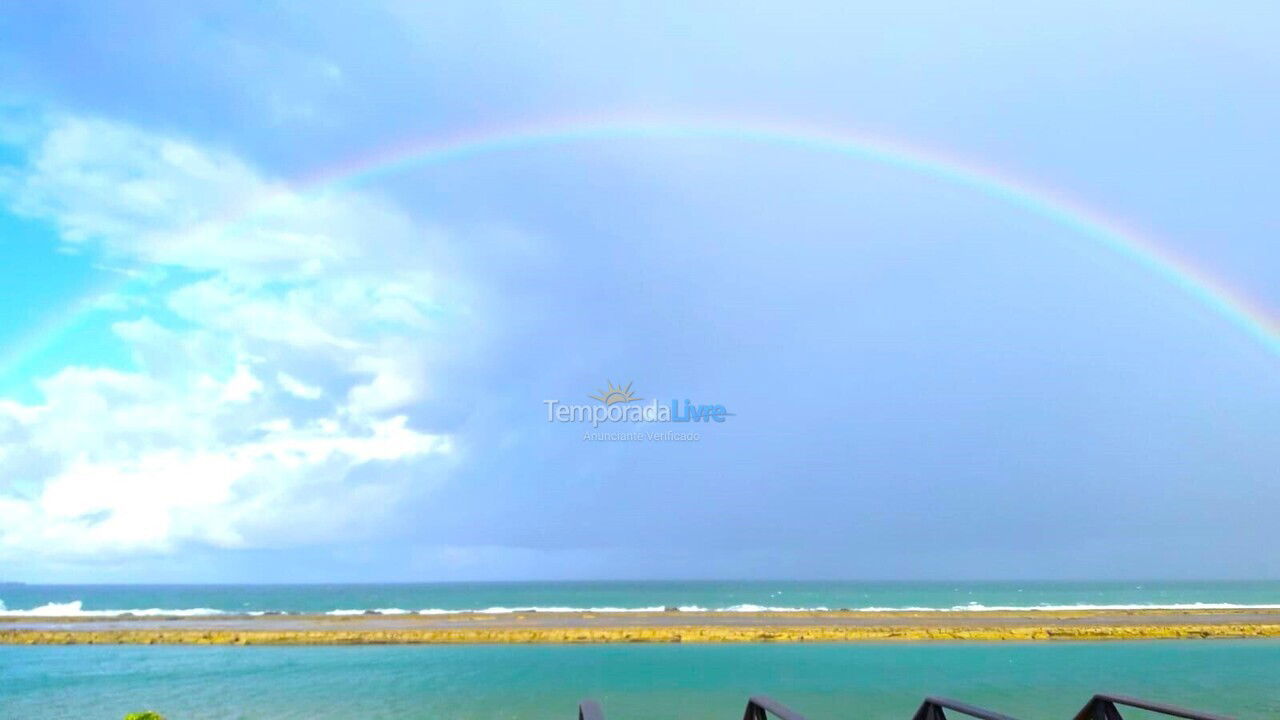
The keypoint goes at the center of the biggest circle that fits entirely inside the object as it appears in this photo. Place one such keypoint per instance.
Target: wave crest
(75, 608)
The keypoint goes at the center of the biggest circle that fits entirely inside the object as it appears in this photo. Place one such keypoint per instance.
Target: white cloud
(297, 388)
(242, 386)
(159, 200)
(205, 441)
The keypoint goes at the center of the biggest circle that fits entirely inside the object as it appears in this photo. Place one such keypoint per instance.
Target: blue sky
(346, 381)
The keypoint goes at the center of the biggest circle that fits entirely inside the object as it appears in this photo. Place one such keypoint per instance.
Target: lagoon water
(872, 682)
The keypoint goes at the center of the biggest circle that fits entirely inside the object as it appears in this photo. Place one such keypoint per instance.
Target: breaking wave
(76, 609)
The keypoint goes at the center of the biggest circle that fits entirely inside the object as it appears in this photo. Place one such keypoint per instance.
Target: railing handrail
(1086, 712)
(758, 705)
(961, 707)
(1101, 706)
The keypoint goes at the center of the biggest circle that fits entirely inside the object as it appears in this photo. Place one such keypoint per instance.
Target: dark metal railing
(933, 708)
(1100, 707)
(1103, 707)
(759, 707)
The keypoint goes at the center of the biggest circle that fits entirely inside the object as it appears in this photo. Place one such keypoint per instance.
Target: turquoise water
(633, 681)
(824, 681)
(18, 599)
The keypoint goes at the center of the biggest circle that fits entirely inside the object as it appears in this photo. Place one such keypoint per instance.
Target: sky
(244, 339)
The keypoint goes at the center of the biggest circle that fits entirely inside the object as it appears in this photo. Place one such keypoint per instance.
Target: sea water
(853, 681)
(1044, 680)
(434, 598)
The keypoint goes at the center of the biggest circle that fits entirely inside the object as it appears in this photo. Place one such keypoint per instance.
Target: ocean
(433, 598)
(1028, 680)
(855, 682)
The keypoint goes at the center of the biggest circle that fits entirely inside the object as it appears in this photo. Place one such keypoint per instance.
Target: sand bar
(656, 627)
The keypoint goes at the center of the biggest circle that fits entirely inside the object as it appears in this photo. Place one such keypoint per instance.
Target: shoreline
(647, 627)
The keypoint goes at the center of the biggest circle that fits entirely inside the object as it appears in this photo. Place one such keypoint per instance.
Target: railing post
(929, 711)
(1099, 708)
(759, 707)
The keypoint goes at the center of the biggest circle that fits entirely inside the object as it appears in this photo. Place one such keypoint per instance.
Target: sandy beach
(651, 627)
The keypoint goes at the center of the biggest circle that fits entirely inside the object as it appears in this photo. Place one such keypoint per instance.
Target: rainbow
(1232, 306)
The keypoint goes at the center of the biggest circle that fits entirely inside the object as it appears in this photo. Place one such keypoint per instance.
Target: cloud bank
(281, 342)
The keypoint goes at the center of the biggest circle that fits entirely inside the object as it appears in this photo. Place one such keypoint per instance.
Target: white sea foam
(752, 608)
(372, 611)
(75, 608)
(976, 607)
(499, 610)
(767, 608)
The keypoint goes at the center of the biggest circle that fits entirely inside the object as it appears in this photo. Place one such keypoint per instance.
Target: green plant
(146, 715)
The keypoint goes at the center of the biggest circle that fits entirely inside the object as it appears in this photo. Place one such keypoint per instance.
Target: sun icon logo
(616, 394)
